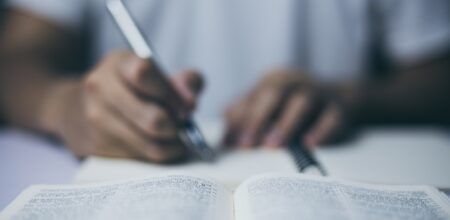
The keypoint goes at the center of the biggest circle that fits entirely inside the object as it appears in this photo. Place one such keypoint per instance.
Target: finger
(259, 112)
(146, 78)
(294, 111)
(234, 118)
(150, 118)
(189, 85)
(128, 138)
(115, 152)
(100, 141)
(326, 129)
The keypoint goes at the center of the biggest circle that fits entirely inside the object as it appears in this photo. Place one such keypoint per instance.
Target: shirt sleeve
(416, 29)
(68, 13)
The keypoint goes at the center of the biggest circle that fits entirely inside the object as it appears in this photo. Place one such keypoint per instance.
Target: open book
(269, 196)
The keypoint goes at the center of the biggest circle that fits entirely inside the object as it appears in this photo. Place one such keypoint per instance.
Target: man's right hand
(125, 107)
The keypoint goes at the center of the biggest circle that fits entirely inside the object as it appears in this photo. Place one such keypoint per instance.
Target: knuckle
(284, 78)
(265, 101)
(157, 116)
(235, 113)
(275, 76)
(299, 99)
(268, 93)
(138, 70)
(93, 114)
(91, 83)
(157, 121)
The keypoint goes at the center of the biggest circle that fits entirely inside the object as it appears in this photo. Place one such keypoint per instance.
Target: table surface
(418, 156)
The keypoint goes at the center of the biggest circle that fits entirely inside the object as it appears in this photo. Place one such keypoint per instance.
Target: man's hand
(124, 108)
(287, 106)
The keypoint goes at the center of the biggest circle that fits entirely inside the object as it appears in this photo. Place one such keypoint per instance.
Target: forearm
(415, 95)
(32, 52)
(31, 96)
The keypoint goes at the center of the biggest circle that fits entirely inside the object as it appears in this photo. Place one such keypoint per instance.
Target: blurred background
(359, 83)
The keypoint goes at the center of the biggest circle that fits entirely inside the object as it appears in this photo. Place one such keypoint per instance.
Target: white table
(394, 156)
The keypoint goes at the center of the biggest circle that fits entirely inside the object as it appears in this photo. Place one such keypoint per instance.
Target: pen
(190, 133)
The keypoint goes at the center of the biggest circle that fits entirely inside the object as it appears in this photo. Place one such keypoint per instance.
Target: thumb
(189, 84)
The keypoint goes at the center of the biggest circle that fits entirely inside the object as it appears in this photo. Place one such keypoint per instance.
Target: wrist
(58, 100)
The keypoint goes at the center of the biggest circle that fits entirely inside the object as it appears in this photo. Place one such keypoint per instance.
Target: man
(321, 68)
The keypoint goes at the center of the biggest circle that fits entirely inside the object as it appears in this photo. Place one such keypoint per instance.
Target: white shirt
(234, 42)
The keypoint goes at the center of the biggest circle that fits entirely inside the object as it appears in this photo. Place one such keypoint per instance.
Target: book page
(169, 197)
(230, 168)
(301, 197)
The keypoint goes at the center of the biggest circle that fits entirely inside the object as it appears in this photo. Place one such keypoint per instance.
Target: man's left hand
(287, 106)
